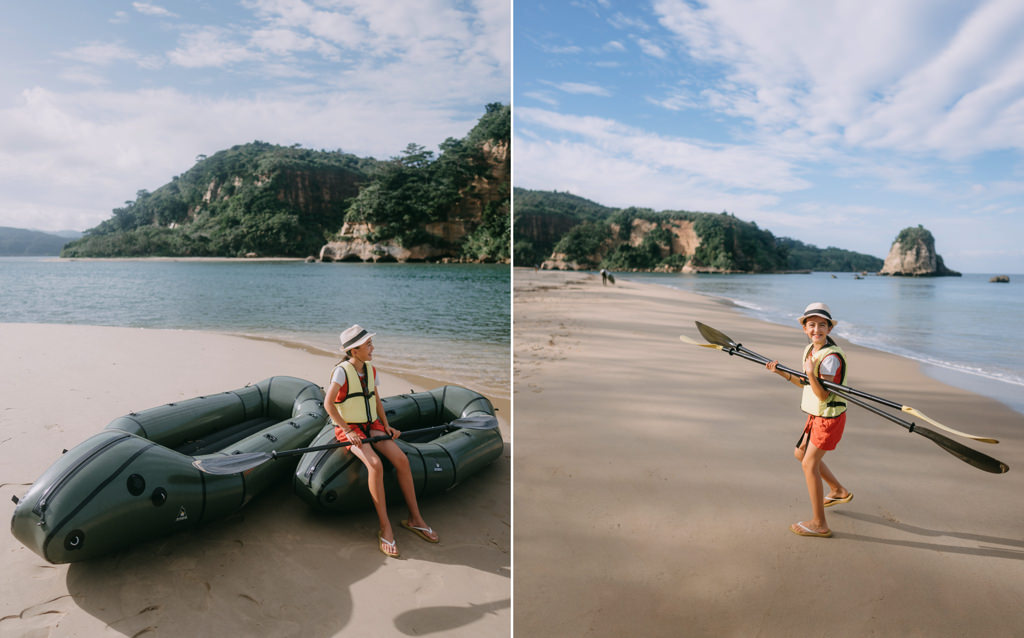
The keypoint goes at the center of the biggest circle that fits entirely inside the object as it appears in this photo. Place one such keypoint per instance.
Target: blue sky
(101, 99)
(834, 122)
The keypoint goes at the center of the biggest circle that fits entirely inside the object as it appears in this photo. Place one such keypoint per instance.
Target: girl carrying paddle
(353, 403)
(826, 417)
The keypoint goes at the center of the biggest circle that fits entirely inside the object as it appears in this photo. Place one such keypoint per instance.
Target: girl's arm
(819, 390)
(773, 366)
(332, 411)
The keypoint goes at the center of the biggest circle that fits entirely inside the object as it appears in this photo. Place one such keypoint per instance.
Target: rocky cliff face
(352, 243)
(913, 255)
(683, 241)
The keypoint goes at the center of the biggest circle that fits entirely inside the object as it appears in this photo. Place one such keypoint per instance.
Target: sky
(834, 122)
(99, 100)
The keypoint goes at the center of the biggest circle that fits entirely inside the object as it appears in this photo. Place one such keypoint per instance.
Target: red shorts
(825, 431)
(375, 426)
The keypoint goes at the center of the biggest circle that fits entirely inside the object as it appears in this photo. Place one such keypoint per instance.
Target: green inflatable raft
(335, 480)
(135, 480)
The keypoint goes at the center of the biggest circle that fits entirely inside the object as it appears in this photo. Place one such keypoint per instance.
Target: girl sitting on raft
(353, 403)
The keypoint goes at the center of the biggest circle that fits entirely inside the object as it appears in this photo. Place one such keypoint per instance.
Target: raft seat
(216, 441)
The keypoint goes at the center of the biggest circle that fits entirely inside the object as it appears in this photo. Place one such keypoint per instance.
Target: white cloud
(153, 10)
(651, 49)
(362, 76)
(726, 166)
(210, 47)
(279, 41)
(907, 76)
(607, 178)
(541, 96)
(565, 49)
(58, 151)
(578, 88)
(100, 53)
(628, 23)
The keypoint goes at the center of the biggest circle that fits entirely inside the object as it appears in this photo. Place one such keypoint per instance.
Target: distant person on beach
(353, 403)
(826, 416)
(604, 277)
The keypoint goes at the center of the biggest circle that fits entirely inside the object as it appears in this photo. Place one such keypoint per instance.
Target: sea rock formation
(913, 255)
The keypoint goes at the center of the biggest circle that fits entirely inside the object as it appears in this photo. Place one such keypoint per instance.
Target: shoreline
(658, 477)
(250, 572)
(1009, 393)
(420, 381)
(441, 262)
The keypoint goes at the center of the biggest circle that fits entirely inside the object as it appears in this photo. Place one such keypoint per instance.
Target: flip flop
(829, 501)
(802, 530)
(389, 545)
(422, 532)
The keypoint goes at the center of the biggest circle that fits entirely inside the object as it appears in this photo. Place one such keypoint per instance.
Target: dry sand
(274, 569)
(655, 484)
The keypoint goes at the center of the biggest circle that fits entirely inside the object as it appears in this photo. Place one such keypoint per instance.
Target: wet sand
(655, 483)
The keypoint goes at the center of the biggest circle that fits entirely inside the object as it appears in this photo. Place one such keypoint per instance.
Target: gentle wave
(961, 325)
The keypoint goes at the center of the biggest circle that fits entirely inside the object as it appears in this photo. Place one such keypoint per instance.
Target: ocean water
(450, 322)
(964, 329)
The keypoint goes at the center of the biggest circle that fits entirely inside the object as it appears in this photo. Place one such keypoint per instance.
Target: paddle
(959, 450)
(962, 452)
(721, 339)
(235, 463)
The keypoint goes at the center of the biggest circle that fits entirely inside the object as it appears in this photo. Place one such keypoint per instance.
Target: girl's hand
(354, 438)
(392, 432)
(771, 365)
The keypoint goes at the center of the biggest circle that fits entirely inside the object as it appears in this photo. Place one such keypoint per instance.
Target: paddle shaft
(962, 452)
(730, 346)
(465, 423)
(330, 446)
(827, 384)
(722, 341)
(235, 463)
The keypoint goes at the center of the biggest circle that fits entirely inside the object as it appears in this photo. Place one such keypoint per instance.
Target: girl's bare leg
(836, 489)
(811, 464)
(375, 479)
(398, 458)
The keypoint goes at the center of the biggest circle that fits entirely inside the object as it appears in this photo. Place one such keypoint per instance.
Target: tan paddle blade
(690, 341)
(714, 336)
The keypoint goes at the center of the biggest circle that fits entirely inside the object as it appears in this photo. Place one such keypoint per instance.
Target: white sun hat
(354, 336)
(818, 309)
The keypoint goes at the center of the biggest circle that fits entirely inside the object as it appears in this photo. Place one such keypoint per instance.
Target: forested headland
(267, 200)
(560, 230)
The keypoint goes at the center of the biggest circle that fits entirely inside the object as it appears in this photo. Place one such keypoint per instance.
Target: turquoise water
(965, 329)
(449, 322)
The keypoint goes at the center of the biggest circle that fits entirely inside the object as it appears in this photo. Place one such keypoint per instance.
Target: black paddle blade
(964, 453)
(232, 464)
(715, 337)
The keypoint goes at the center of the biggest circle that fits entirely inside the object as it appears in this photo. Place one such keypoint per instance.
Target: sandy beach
(655, 483)
(276, 568)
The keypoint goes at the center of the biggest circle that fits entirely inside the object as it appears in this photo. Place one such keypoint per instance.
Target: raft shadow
(262, 571)
(232, 572)
(431, 620)
(993, 552)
